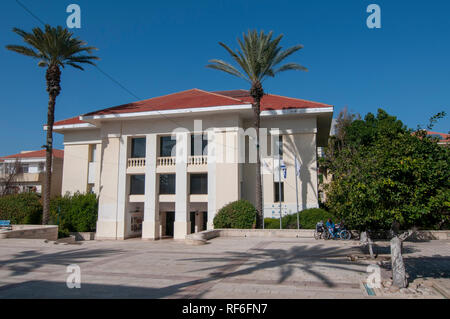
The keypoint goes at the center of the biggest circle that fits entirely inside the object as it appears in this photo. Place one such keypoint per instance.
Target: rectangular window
(137, 184)
(24, 168)
(138, 147)
(41, 167)
(199, 184)
(166, 145)
(279, 146)
(167, 184)
(277, 192)
(199, 145)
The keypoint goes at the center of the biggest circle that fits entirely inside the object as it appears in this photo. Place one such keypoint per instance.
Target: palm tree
(259, 57)
(54, 48)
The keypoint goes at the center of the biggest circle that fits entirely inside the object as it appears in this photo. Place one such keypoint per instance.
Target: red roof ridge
(136, 102)
(221, 95)
(294, 98)
(35, 154)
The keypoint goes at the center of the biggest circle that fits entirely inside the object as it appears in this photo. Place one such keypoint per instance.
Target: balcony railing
(166, 161)
(192, 160)
(198, 160)
(136, 162)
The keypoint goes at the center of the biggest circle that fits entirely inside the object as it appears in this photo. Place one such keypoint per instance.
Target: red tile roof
(196, 98)
(445, 138)
(33, 154)
(272, 101)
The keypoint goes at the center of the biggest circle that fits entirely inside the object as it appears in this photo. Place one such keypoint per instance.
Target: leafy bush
(240, 214)
(75, 213)
(21, 209)
(308, 219)
(287, 222)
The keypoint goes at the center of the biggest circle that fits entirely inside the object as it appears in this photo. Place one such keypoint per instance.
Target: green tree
(54, 48)
(387, 177)
(258, 57)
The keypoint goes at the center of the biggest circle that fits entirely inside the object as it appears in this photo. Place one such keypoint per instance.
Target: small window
(138, 147)
(277, 192)
(279, 146)
(199, 184)
(199, 145)
(41, 167)
(137, 184)
(167, 184)
(166, 145)
(25, 168)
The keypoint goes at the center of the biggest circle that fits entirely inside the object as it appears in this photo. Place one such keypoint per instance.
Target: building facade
(25, 172)
(163, 167)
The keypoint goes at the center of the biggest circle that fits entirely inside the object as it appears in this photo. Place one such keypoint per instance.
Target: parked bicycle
(339, 232)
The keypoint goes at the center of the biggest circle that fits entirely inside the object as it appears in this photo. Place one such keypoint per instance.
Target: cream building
(25, 172)
(163, 167)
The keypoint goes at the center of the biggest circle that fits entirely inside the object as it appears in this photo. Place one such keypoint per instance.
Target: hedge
(74, 213)
(240, 214)
(308, 219)
(20, 209)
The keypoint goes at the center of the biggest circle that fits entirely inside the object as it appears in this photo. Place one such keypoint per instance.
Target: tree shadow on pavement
(306, 258)
(317, 261)
(30, 260)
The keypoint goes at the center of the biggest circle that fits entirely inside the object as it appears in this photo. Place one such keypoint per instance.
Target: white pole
(296, 192)
(279, 186)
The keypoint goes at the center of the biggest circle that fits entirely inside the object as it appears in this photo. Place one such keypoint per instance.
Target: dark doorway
(205, 220)
(192, 218)
(170, 219)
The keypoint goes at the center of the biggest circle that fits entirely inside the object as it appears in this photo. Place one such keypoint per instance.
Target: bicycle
(340, 232)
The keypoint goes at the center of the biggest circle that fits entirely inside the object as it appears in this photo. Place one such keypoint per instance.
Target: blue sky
(159, 47)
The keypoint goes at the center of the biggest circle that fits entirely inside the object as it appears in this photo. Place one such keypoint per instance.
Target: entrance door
(170, 219)
(205, 220)
(192, 218)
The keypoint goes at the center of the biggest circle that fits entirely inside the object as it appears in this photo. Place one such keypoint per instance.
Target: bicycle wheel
(316, 235)
(326, 235)
(345, 235)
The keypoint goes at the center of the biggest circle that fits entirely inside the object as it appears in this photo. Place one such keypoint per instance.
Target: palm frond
(225, 67)
(54, 46)
(23, 50)
(258, 56)
(291, 66)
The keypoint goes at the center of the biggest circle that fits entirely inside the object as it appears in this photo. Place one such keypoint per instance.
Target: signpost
(297, 175)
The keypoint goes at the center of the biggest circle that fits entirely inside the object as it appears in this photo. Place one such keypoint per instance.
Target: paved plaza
(223, 268)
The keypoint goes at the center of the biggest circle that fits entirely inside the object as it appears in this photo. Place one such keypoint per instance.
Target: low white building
(25, 172)
(166, 165)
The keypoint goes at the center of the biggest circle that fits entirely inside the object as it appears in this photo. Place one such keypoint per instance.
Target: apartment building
(163, 167)
(25, 172)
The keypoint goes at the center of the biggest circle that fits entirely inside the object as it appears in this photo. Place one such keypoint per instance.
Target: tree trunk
(257, 93)
(398, 266)
(367, 241)
(53, 77)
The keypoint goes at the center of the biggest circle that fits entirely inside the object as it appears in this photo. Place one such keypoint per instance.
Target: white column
(182, 225)
(122, 195)
(211, 179)
(151, 223)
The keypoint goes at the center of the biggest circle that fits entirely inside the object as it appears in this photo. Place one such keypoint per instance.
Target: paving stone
(224, 268)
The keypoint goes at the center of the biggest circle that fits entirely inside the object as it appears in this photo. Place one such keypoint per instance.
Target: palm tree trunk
(258, 203)
(257, 93)
(53, 77)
